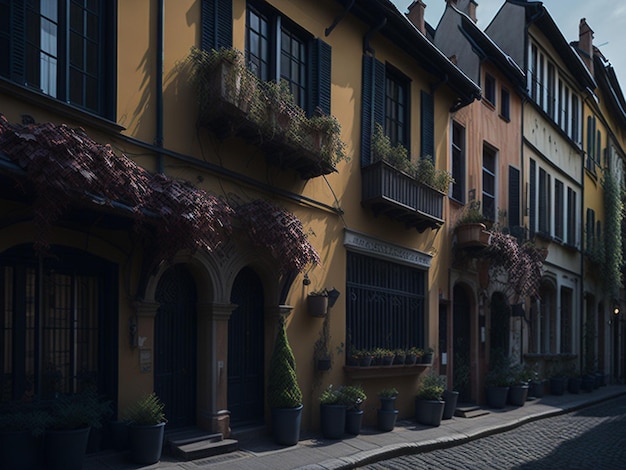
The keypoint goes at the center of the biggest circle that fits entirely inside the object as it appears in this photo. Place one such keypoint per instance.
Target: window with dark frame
(266, 29)
(489, 182)
(386, 304)
(458, 162)
(544, 203)
(559, 206)
(572, 217)
(505, 104)
(396, 107)
(490, 89)
(62, 48)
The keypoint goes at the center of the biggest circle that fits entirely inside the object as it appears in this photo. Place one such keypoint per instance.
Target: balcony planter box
(472, 235)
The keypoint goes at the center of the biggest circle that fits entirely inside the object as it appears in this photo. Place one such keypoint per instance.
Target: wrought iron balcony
(388, 191)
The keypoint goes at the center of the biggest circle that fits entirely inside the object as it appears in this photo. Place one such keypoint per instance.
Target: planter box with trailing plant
(284, 393)
(146, 426)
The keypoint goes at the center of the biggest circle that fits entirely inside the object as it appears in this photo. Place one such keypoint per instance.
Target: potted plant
(317, 303)
(429, 403)
(72, 417)
(427, 357)
(498, 380)
(413, 356)
(399, 357)
(21, 428)
(354, 396)
(387, 414)
(470, 228)
(283, 391)
(518, 390)
(332, 412)
(146, 427)
(386, 357)
(366, 357)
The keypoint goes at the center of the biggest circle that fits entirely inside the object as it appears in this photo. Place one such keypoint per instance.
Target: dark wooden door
(461, 345)
(246, 396)
(175, 346)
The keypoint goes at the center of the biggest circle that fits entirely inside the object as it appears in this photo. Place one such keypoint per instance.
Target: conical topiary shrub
(284, 394)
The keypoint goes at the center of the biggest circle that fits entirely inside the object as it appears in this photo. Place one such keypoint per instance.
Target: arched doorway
(461, 344)
(500, 329)
(246, 396)
(175, 352)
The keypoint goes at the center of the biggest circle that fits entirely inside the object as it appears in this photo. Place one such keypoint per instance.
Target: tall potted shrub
(429, 403)
(332, 413)
(72, 417)
(146, 418)
(283, 391)
(354, 397)
(21, 428)
(387, 414)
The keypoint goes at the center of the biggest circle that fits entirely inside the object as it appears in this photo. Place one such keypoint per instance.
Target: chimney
(416, 15)
(585, 43)
(471, 10)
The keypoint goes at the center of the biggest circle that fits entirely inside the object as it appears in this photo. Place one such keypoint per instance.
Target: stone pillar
(212, 367)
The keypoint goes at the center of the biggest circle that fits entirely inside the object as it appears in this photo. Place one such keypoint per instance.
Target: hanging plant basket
(470, 235)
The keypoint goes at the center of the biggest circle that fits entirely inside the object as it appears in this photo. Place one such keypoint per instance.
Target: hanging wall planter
(317, 304)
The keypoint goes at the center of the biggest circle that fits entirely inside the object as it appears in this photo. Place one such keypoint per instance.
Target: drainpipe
(159, 85)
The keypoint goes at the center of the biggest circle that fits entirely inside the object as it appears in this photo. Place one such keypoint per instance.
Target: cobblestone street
(591, 438)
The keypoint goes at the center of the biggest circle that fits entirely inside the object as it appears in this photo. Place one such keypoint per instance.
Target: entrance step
(470, 411)
(195, 443)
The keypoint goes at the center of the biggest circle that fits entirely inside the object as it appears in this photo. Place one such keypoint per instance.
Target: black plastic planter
(354, 419)
(429, 412)
(333, 421)
(451, 398)
(286, 425)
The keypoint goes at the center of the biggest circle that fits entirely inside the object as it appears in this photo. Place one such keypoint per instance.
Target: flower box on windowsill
(472, 235)
(355, 372)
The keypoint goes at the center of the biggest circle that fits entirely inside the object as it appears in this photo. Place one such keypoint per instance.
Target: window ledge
(372, 372)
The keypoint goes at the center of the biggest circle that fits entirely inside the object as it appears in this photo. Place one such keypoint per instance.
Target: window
(278, 49)
(54, 336)
(458, 162)
(396, 106)
(572, 217)
(505, 104)
(544, 203)
(64, 49)
(590, 230)
(265, 34)
(558, 209)
(514, 197)
(385, 306)
(489, 182)
(551, 92)
(490, 89)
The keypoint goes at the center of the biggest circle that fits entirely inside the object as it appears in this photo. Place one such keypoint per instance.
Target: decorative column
(212, 367)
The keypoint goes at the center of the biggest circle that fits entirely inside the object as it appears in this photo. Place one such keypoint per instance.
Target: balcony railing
(233, 102)
(388, 191)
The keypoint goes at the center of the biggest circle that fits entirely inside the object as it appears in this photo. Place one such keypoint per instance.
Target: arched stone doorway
(175, 333)
(246, 398)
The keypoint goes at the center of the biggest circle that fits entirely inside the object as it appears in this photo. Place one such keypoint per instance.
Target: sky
(607, 19)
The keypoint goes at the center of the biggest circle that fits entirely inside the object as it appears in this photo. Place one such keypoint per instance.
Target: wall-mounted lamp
(616, 310)
(306, 281)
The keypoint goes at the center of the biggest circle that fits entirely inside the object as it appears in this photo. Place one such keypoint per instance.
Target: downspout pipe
(158, 141)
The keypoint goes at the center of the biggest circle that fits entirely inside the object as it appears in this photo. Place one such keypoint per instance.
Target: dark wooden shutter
(17, 52)
(514, 197)
(372, 103)
(320, 76)
(428, 126)
(533, 195)
(217, 24)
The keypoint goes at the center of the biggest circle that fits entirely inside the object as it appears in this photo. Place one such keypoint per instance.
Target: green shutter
(217, 24)
(372, 103)
(320, 76)
(428, 126)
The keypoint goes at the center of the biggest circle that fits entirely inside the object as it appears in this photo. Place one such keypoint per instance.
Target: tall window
(505, 104)
(53, 330)
(490, 89)
(276, 49)
(385, 306)
(544, 203)
(458, 162)
(489, 182)
(396, 107)
(551, 92)
(559, 205)
(590, 230)
(572, 217)
(62, 48)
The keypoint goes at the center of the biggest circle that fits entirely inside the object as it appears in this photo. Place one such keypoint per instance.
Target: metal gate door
(175, 346)
(245, 351)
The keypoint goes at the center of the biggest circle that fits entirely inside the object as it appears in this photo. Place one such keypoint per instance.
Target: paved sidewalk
(315, 453)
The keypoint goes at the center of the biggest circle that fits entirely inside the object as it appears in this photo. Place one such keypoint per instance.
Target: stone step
(471, 411)
(204, 448)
